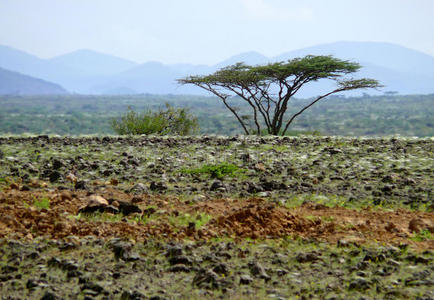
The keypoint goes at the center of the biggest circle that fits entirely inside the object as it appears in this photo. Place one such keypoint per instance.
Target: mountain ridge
(84, 71)
(14, 83)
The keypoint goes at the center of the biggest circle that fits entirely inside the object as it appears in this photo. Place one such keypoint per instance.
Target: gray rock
(123, 250)
(132, 295)
(97, 288)
(138, 189)
(126, 208)
(158, 186)
(174, 251)
(307, 257)
(217, 185)
(31, 284)
(180, 259)
(57, 164)
(374, 257)
(221, 269)
(206, 279)
(252, 188)
(417, 259)
(359, 284)
(49, 296)
(245, 279)
(80, 185)
(54, 176)
(179, 268)
(258, 270)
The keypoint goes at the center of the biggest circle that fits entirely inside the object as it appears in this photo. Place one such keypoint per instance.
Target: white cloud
(268, 11)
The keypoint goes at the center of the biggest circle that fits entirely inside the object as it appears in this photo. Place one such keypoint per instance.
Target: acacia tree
(269, 88)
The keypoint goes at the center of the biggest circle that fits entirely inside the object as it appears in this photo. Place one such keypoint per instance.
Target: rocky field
(216, 217)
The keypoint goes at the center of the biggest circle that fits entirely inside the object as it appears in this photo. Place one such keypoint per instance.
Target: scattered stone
(98, 289)
(179, 268)
(307, 257)
(132, 295)
(180, 259)
(57, 164)
(97, 204)
(417, 259)
(138, 189)
(217, 185)
(221, 269)
(25, 188)
(174, 251)
(359, 284)
(71, 177)
(158, 186)
(374, 257)
(246, 279)
(55, 176)
(48, 295)
(332, 150)
(80, 185)
(260, 167)
(207, 279)
(14, 186)
(390, 178)
(125, 207)
(258, 270)
(123, 250)
(32, 283)
(387, 188)
(253, 188)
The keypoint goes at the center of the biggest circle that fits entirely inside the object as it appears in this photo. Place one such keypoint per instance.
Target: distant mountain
(13, 83)
(84, 71)
(77, 71)
(153, 78)
(398, 68)
(250, 58)
(390, 56)
(93, 63)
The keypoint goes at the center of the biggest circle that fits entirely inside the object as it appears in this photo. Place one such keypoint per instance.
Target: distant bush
(175, 121)
(216, 171)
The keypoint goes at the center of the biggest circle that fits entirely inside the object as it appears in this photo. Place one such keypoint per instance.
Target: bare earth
(236, 218)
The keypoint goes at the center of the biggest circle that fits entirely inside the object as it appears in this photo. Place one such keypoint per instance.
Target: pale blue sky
(208, 31)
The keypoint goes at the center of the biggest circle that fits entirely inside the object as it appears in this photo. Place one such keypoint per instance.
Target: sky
(209, 31)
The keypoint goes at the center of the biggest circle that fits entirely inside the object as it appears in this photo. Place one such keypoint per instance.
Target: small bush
(216, 171)
(176, 121)
(423, 235)
(43, 203)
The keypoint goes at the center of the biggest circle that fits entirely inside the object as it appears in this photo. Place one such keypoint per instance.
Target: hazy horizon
(200, 32)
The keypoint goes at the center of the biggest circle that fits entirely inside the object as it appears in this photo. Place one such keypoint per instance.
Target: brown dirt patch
(238, 218)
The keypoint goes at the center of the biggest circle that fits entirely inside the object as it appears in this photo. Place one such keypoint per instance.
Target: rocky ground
(216, 217)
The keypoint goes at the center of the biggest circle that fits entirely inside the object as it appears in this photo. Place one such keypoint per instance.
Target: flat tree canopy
(268, 88)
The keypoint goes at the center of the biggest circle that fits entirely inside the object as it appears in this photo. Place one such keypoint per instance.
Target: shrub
(43, 203)
(176, 121)
(216, 171)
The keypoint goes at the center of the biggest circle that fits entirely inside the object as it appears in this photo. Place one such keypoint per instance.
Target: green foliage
(43, 203)
(406, 115)
(168, 121)
(184, 220)
(423, 235)
(216, 171)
